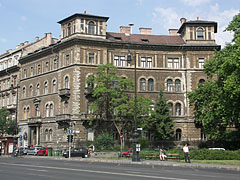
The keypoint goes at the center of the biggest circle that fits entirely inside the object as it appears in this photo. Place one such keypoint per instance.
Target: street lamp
(135, 156)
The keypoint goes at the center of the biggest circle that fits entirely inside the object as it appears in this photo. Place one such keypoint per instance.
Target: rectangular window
(8, 101)
(32, 71)
(116, 60)
(143, 62)
(170, 63)
(55, 64)
(91, 58)
(176, 63)
(46, 67)
(39, 69)
(191, 35)
(14, 99)
(209, 36)
(24, 73)
(67, 59)
(122, 61)
(149, 61)
(200, 62)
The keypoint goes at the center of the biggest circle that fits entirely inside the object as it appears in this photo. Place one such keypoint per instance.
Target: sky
(23, 20)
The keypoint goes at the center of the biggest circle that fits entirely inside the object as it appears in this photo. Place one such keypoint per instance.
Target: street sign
(70, 131)
(20, 137)
(121, 136)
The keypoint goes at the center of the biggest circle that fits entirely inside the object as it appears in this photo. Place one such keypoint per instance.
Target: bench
(152, 156)
(173, 156)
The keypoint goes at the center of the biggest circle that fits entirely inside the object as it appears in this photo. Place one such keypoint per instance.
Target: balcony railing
(65, 92)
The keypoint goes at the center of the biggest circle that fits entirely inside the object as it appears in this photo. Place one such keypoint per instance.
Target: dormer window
(91, 27)
(200, 34)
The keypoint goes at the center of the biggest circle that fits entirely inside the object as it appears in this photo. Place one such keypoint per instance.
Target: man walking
(186, 153)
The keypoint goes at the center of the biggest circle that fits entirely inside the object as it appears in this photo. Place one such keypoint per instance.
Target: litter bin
(49, 151)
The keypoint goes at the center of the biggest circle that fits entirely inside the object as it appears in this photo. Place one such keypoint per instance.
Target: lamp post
(135, 156)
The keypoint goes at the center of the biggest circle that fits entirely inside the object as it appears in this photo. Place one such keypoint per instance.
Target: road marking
(42, 170)
(92, 171)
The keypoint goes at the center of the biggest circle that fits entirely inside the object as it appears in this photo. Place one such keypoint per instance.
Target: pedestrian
(162, 155)
(186, 153)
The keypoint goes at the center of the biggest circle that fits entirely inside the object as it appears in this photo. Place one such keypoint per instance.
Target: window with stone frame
(31, 90)
(170, 63)
(177, 85)
(200, 62)
(142, 84)
(176, 63)
(91, 58)
(50, 134)
(24, 73)
(178, 134)
(66, 82)
(39, 69)
(149, 62)
(67, 59)
(116, 60)
(14, 99)
(32, 71)
(178, 109)
(51, 112)
(55, 64)
(170, 108)
(169, 85)
(47, 110)
(91, 27)
(38, 90)
(201, 81)
(46, 66)
(143, 62)
(150, 84)
(28, 112)
(54, 86)
(8, 100)
(37, 110)
(46, 87)
(46, 135)
(24, 92)
(122, 61)
(69, 29)
(200, 32)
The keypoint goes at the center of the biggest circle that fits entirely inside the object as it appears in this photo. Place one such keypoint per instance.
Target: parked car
(43, 151)
(22, 151)
(33, 151)
(82, 152)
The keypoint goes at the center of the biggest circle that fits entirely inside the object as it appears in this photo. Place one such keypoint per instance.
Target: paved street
(46, 168)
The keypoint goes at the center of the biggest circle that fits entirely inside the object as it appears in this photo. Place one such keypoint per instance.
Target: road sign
(70, 131)
(20, 137)
(121, 136)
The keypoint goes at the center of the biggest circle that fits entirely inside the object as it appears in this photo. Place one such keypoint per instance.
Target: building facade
(52, 86)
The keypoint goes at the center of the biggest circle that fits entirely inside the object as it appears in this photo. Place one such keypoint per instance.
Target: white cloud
(3, 40)
(168, 17)
(195, 2)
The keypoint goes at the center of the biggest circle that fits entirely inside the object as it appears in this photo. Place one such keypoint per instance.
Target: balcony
(64, 93)
(35, 121)
(63, 120)
(11, 107)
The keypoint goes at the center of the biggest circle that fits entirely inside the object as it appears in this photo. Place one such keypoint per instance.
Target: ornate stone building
(52, 94)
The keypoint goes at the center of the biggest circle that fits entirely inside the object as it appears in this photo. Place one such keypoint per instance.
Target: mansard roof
(198, 23)
(146, 39)
(86, 16)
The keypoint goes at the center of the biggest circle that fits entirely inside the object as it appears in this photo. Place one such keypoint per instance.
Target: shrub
(104, 142)
(144, 143)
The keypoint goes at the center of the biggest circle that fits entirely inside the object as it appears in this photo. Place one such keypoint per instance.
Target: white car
(33, 151)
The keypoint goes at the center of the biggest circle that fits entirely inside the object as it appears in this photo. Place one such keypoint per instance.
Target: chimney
(48, 37)
(125, 29)
(36, 38)
(183, 20)
(197, 18)
(26, 43)
(146, 31)
(173, 32)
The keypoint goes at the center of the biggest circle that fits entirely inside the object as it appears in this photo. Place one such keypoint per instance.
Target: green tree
(112, 97)
(104, 141)
(7, 125)
(216, 102)
(161, 124)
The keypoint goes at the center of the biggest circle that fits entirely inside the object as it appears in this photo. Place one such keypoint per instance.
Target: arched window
(38, 90)
(169, 85)
(28, 112)
(24, 113)
(91, 27)
(69, 29)
(150, 85)
(202, 81)
(47, 110)
(142, 84)
(31, 90)
(37, 110)
(200, 34)
(54, 86)
(46, 134)
(51, 110)
(178, 109)
(50, 134)
(178, 135)
(178, 85)
(67, 82)
(24, 92)
(45, 88)
(170, 107)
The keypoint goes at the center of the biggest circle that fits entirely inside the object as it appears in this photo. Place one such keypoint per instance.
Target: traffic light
(70, 138)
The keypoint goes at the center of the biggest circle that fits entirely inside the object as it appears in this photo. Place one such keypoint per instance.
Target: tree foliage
(216, 103)
(113, 99)
(161, 124)
(7, 125)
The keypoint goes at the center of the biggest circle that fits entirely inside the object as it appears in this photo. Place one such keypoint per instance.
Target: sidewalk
(142, 162)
